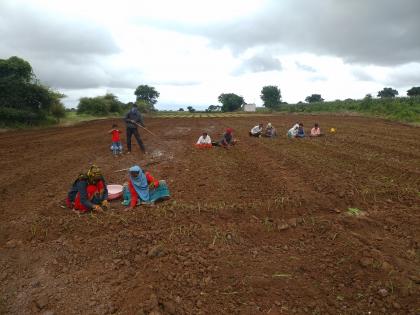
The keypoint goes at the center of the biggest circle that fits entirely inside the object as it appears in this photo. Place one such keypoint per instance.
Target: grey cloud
(362, 75)
(40, 33)
(304, 67)
(318, 77)
(177, 83)
(259, 63)
(404, 76)
(381, 32)
(64, 53)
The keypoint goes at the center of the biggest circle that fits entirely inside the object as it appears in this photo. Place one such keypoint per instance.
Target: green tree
(230, 102)
(22, 97)
(114, 105)
(16, 68)
(144, 106)
(314, 98)
(180, 110)
(100, 105)
(387, 93)
(58, 111)
(191, 109)
(148, 94)
(271, 96)
(414, 91)
(214, 108)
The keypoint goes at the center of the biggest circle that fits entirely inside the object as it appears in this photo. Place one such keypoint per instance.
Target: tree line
(24, 99)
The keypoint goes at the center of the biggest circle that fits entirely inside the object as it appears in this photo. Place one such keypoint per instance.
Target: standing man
(132, 118)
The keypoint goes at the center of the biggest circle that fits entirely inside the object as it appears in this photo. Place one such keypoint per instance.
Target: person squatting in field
(256, 131)
(293, 131)
(270, 131)
(204, 141)
(88, 192)
(316, 131)
(132, 119)
(116, 146)
(143, 188)
(227, 139)
(300, 132)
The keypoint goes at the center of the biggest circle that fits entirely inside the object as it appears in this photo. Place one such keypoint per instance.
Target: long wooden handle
(146, 129)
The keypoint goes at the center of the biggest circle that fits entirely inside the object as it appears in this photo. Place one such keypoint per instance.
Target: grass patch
(404, 109)
(354, 211)
(73, 117)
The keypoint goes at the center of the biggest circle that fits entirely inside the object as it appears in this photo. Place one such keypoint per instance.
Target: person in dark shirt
(132, 119)
(227, 139)
(301, 131)
(88, 192)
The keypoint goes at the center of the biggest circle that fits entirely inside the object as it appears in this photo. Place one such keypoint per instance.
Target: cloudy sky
(192, 51)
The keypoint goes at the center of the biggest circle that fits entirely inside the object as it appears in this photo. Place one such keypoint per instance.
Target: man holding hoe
(133, 119)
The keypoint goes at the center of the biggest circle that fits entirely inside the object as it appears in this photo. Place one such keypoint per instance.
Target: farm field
(272, 226)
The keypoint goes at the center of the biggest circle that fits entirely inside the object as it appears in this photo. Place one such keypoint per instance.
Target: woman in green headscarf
(88, 191)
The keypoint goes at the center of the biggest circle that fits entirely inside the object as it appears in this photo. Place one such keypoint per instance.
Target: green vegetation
(72, 117)
(271, 96)
(405, 109)
(146, 98)
(314, 98)
(23, 99)
(353, 211)
(387, 92)
(100, 105)
(230, 102)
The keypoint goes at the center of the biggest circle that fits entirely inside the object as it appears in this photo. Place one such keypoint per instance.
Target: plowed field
(263, 228)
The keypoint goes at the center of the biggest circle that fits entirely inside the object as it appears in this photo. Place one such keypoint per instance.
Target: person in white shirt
(256, 131)
(204, 140)
(293, 131)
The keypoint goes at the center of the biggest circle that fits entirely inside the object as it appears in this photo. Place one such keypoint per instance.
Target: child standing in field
(116, 146)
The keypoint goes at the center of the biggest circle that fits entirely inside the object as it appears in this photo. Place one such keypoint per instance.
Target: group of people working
(227, 140)
(258, 131)
(297, 131)
(132, 119)
(89, 191)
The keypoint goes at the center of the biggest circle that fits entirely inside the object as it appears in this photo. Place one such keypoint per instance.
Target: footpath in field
(273, 226)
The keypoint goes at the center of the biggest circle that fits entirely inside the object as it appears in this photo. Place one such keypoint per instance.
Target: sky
(192, 51)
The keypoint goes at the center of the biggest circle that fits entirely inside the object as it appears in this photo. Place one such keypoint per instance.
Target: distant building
(250, 108)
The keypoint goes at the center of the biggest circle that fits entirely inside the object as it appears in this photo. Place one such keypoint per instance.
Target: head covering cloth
(140, 182)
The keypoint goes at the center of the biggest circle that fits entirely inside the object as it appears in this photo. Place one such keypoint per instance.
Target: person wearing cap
(132, 119)
(270, 131)
(227, 139)
(256, 131)
(88, 192)
(143, 188)
(204, 141)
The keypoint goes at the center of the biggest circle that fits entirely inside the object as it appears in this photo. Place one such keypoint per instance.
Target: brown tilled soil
(263, 228)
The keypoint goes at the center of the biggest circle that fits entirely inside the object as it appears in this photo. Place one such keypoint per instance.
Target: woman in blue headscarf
(143, 188)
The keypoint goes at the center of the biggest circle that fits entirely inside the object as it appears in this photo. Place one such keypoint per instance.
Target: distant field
(206, 115)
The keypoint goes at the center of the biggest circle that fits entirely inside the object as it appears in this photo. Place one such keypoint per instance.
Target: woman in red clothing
(88, 192)
(144, 188)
